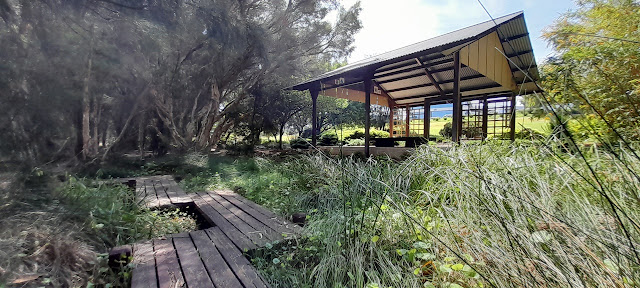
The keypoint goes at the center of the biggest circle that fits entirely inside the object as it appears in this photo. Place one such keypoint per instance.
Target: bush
(469, 132)
(356, 135)
(355, 142)
(379, 134)
(328, 139)
(447, 130)
(299, 143)
(359, 134)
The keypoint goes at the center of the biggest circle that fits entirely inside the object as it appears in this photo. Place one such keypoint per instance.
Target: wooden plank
(491, 55)
(163, 198)
(150, 199)
(168, 267)
(259, 209)
(250, 203)
(220, 272)
(238, 263)
(260, 227)
(473, 55)
(213, 216)
(175, 193)
(247, 230)
(140, 193)
(482, 56)
(144, 273)
(192, 267)
(273, 222)
(464, 55)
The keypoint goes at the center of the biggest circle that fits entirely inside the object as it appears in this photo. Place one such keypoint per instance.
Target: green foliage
(299, 143)
(524, 134)
(374, 133)
(226, 63)
(114, 216)
(328, 139)
(425, 222)
(447, 130)
(596, 70)
(356, 135)
(355, 142)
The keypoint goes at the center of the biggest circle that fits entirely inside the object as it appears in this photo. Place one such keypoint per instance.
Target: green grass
(537, 124)
(495, 215)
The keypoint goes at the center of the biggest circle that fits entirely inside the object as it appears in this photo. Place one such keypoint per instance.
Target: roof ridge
(512, 15)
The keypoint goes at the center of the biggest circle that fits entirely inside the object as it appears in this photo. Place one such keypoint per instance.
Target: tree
(597, 67)
(80, 76)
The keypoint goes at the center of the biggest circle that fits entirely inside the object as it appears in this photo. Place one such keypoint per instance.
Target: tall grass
(494, 215)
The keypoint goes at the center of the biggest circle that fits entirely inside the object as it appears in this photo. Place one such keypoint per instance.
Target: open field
(538, 124)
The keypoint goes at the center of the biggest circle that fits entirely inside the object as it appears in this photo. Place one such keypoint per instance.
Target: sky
(391, 24)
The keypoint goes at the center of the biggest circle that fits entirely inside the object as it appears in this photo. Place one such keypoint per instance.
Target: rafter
(433, 80)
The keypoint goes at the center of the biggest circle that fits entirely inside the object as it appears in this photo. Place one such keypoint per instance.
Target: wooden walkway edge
(211, 257)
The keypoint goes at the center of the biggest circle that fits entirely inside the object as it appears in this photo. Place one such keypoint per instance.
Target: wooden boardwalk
(211, 257)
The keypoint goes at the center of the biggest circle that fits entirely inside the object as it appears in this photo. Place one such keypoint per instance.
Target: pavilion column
(407, 133)
(427, 118)
(367, 112)
(512, 122)
(314, 116)
(485, 117)
(457, 101)
(391, 120)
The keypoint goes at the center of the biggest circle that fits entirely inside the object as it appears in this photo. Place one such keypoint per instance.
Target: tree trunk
(86, 104)
(126, 124)
(141, 129)
(97, 115)
(223, 127)
(204, 138)
(281, 132)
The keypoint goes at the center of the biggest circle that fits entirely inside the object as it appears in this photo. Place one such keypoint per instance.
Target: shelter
(479, 69)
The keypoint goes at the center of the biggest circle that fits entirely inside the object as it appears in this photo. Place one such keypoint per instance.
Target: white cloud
(388, 25)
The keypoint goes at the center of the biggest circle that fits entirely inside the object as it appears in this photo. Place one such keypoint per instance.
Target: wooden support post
(391, 120)
(427, 118)
(314, 117)
(367, 112)
(457, 101)
(512, 122)
(408, 124)
(485, 117)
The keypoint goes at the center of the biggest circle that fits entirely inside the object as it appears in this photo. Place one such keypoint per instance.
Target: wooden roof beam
(440, 100)
(439, 83)
(496, 85)
(433, 80)
(409, 69)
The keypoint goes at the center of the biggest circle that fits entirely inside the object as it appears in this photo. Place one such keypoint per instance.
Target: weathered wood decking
(211, 257)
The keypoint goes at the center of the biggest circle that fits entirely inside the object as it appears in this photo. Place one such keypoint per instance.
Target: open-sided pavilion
(479, 69)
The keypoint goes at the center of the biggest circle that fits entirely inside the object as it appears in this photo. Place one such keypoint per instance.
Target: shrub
(359, 134)
(355, 142)
(379, 134)
(356, 135)
(468, 132)
(328, 139)
(447, 130)
(299, 143)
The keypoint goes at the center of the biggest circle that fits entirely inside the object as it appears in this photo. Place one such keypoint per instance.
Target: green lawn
(436, 125)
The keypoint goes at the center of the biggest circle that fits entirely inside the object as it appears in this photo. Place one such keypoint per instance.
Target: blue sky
(392, 24)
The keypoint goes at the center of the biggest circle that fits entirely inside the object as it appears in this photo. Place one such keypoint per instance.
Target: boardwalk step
(214, 256)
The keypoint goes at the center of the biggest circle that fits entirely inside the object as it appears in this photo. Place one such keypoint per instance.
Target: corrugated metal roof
(398, 71)
(442, 40)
